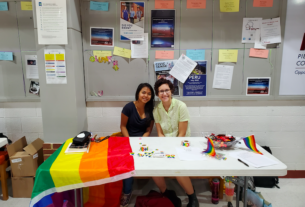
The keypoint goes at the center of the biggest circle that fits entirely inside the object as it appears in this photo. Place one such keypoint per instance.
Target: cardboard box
(22, 187)
(24, 158)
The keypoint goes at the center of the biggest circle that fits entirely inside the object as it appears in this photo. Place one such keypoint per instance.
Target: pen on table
(243, 162)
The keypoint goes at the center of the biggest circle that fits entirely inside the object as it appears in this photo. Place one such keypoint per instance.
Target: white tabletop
(145, 166)
(3, 142)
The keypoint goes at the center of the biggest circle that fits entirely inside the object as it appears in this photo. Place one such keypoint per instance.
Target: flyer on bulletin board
(162, 69)
(55, 66)
(195, 85)
(101, 36)
(163, 28)
(258, 86)
(132, 20)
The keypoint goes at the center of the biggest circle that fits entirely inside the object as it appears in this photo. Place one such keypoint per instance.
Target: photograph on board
(162, 69)
(34, 88)
(101, 36)
(163, 28)
(257, 86)
(132, 20)
(195, 84)
(31, 62)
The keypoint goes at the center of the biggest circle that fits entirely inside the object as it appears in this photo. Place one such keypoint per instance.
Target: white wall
(278, 124)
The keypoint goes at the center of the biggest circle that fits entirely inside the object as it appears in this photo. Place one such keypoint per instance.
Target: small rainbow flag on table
(210, 149)
(250, 143)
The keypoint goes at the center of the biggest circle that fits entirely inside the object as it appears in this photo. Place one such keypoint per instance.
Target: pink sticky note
(196, 4)
(262, 3)
(165, 54)
(258, 53)
(164, 4)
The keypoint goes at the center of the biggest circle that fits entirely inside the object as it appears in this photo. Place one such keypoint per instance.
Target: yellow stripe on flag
(66, 166)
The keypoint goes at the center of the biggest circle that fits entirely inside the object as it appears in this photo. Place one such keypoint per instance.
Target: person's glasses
(165, 91)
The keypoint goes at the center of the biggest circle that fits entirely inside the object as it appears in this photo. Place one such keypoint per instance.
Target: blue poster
(6, 56)
(162, 34)
(3, 6)
(195, 85)
(99, 6)
(196, 54)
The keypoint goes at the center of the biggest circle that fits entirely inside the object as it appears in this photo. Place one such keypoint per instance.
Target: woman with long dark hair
(137, 121)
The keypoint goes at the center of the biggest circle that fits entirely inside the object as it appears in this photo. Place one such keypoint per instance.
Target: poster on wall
(101, 36)
(132, 20)
(31, 66)
(162, 69)
(52, 22)
(293, 60)
(34, 88)
(55, 66)
(163, 28)
(250, 25)
(258, 86)
(195, 85)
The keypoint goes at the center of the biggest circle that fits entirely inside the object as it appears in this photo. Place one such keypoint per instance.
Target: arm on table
(124, 120)
(159, 130)
(182, 128)
(149, 129)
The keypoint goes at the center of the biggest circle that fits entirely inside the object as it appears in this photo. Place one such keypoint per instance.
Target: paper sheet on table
(183, 68)
(229, 5)
(190, 154)
(250, 25)
(196, 4)
(228, 56)
(223, 76)
(164, 4)
(164, 54)
(31, 67)
(262, 3)
(140, 50)
(258, 53)
(254, 159)
(257, 43)
(271, 31)
(196, 54)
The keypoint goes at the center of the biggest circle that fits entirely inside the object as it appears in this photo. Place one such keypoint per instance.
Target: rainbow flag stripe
(250, 143)
(210, 149)
(107, 162)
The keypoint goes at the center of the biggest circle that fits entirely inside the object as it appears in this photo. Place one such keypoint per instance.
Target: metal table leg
(245, 190)
(75, 197)
(81, 197)
(237, 195)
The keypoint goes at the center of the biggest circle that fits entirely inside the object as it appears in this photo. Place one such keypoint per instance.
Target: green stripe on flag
(44, 179)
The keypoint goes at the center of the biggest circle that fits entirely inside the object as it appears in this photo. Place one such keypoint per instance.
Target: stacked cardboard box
(25, 159)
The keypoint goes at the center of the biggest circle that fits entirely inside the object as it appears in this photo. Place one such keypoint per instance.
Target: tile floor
(290, 194)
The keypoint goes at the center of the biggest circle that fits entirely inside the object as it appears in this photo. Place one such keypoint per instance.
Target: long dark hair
(149, 106)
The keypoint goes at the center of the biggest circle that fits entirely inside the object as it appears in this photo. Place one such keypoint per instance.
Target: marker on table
(243, 162)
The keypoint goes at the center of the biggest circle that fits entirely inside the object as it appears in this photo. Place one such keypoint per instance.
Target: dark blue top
(136, 126)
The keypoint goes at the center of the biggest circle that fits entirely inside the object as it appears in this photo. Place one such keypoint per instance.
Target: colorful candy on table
(222, 140)
(210, 151)
(185, 143)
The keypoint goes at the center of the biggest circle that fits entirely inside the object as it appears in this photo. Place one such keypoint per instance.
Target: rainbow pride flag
(251, 144)
(107, 162)
(210, 148)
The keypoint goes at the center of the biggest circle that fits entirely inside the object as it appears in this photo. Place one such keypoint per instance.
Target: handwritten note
(196, 54)
(122, 52)
(3, 6)
(26, 5)
(262, 3)
(6, 56)
(99, 53)
(258, 53)
(229, 5)
(196, 4)
(165, 54)
(164, 4)
(228, 56)
(99, 6)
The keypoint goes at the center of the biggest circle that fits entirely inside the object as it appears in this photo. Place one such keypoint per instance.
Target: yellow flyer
(49, 57)
(122, 52)
(229, 5)
(99, 53)
(26, 5)
(228, 56)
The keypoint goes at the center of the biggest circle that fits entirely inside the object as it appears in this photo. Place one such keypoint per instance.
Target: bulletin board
(207, 29)
(17, 36)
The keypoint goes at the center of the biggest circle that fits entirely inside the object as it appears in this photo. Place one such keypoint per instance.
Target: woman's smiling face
(164, 93)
